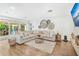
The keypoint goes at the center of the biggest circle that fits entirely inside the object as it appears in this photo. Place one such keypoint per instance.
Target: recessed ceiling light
(12, 8)
(50, 10)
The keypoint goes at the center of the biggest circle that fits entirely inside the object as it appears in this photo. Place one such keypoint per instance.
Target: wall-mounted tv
(75, 14)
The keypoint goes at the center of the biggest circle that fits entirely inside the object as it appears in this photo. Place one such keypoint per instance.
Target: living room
(38, 29)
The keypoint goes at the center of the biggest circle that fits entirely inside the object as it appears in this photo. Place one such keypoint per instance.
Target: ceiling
(34, 10)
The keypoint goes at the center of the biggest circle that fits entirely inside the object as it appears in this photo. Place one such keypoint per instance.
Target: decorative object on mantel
(65, 38)
(58, 37)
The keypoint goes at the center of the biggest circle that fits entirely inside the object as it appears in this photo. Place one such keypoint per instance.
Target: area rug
(46, 46)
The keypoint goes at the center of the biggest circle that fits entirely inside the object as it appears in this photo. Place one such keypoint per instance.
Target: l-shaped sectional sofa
(32, 35)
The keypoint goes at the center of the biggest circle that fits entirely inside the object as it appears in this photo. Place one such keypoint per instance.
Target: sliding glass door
(11, 28)
(14, 28)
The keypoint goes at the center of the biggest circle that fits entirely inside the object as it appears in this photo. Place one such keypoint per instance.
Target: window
(3, 29)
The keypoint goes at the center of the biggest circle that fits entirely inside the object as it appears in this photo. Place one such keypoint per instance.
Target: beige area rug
(46, 46)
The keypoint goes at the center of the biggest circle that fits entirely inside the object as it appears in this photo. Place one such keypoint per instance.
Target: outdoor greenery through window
(3, 29)
(10, 28)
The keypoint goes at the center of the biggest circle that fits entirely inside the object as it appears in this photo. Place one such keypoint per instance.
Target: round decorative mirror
(51, 26)
(48, 21)
(43, 24)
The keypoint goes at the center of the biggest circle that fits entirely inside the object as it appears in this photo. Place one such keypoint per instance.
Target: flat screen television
(75, 14)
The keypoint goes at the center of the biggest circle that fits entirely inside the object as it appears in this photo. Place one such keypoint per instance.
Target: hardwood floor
(61, 49)
(64, 49)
